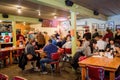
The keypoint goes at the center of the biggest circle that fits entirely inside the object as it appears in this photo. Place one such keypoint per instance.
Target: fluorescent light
(55, 17)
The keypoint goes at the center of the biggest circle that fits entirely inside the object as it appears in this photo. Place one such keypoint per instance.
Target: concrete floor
(14, 70)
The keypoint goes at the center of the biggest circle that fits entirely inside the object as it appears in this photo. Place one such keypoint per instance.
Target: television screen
(117, 26)
(3, 35)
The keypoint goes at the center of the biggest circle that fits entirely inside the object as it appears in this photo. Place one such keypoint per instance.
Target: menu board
(50, 23)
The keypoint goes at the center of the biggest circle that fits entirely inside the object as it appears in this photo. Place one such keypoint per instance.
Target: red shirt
(7, 38)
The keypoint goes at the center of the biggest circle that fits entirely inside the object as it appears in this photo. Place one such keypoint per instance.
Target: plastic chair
(68, 53)
(95, 73)
(18, 78)
(3, 77)
(56, 60)
(82, 58)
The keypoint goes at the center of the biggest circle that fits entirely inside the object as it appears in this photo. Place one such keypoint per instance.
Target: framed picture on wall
(94, 25)
(111, 23)
(101, 26)
(80, 32)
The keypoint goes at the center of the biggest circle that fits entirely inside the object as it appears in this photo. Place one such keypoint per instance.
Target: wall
(22, 27)
(116, 19)
(89, 22)
(79, 28)
(38, 28)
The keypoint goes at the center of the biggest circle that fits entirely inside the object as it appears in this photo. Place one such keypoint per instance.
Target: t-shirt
(49, 49)
(7, 38)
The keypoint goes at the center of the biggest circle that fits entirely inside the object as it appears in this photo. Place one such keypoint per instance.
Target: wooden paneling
(29, 9)
(106, 7)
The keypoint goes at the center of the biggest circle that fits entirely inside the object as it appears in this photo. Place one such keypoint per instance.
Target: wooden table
(107, 63)
(11, 49)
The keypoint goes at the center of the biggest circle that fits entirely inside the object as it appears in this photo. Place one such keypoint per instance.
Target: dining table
(10, 49)
(109, 64)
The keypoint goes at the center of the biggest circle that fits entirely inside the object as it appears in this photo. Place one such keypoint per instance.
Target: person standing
(95, 33)
(87, 34)
(40, 40)
(108, 34)
(117, 36)
(46, 36)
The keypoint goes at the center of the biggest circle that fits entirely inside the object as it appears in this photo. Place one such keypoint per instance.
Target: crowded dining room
(59, 40)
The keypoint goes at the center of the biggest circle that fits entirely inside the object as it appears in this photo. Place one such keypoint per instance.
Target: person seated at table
(20, 42)
(85, 48)
(49, 49)
(30, 54)
(117, 49)
(111, 45)
(68, 43)
(95, 48)
(101, 44)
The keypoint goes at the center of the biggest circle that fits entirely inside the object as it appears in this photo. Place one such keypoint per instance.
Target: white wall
(38, 28)
(115, 18)
(89, 22)
(51, 31)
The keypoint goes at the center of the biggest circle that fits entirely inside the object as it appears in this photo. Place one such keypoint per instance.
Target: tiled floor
(14, 70)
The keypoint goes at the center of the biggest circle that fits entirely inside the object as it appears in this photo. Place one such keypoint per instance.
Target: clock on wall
(65, 25)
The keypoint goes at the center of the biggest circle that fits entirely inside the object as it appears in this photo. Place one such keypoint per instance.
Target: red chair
(67, 57)
(67, 50)
(18, 78)
(56, 60)
(95, 73)
(60, 51)
(3, 77)
(82, 58)
(4, 55)
(18, 54)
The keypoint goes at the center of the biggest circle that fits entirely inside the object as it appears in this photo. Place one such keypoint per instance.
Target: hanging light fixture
(55, 17)
(39, 13)
(19, 9)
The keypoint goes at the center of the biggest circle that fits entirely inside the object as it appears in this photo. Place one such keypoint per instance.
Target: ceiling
(30, 9)
(105, 7)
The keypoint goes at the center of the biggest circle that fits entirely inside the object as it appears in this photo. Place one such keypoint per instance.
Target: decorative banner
(50, 23)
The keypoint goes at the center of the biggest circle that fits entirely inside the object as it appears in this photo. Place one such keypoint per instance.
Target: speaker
(41, 20)
(68, 3)
(5, 15)
(95, 12)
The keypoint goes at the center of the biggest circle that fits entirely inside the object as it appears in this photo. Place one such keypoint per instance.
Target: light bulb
(19, 11)
(55, 17)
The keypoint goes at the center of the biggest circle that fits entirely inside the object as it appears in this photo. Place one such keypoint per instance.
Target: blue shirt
(49, 49)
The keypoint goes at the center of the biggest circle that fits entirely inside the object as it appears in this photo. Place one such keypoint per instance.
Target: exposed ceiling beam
(60, 4)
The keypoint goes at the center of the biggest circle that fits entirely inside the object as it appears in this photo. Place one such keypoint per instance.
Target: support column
(73, 31)
(14, 33)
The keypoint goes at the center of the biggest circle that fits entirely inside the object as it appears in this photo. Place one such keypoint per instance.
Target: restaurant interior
(86, 34)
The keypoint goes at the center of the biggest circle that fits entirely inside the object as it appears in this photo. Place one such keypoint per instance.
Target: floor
(14, 70)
